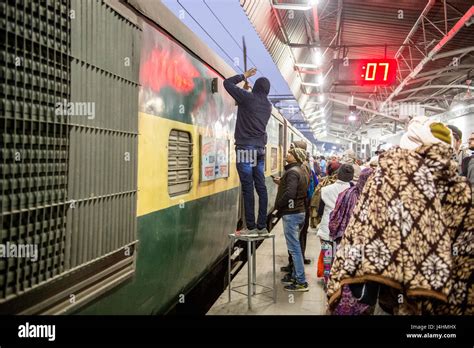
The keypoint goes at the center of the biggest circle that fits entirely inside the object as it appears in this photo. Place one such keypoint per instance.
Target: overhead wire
(197, 22)
(209, 35)
(233, 39)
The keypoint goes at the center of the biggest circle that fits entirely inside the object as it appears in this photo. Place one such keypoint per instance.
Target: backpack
(315, 219)
(313, 182)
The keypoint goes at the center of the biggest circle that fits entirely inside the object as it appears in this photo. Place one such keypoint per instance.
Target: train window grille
(180, 162)
(44, 58)
(33, 143)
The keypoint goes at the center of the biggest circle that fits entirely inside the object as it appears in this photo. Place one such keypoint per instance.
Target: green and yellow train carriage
(151, 190)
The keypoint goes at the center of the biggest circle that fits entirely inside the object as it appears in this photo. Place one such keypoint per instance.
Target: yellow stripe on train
(153, 165)
(153, 137)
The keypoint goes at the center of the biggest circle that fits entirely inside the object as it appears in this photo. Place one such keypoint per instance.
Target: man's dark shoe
(297, 287)
(286, 269)
(307, 261)
(288, 279)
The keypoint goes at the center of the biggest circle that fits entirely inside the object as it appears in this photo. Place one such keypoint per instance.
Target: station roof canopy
(432, 41)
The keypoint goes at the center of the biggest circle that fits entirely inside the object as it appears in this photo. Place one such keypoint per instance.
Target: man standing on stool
(254, 111)
(290, 203)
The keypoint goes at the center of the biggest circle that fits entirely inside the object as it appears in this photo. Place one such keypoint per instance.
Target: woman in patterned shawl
(339, 219)
(412, 229)
(345, 203)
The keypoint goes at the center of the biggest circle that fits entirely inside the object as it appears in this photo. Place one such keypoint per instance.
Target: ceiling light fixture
(323, 134)
(307, 66)
(352, 114)
(320, 112)
(318, 57)
(315, 123)
(296, 7)
(311, 84)
(320, 79)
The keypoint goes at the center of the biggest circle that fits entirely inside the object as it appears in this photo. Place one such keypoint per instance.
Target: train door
(285, 144)
(281, 143)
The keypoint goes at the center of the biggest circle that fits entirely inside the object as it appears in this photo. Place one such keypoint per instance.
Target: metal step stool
(251, 265)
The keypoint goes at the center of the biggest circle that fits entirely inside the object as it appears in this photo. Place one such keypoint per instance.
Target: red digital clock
(365, 72)
(377, 71)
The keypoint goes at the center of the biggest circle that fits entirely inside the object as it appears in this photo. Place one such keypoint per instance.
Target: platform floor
(312, 302)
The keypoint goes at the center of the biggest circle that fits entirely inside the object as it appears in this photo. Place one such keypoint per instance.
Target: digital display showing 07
(363, 72)
(377, 72)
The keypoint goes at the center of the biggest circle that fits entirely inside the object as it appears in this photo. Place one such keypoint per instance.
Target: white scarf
(419, 133)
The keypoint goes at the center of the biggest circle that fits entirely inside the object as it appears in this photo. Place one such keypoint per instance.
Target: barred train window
(180, 162)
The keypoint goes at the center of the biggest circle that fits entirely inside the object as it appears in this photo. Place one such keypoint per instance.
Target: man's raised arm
(239, 94)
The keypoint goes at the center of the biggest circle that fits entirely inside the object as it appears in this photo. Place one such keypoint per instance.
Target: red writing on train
(164, 68)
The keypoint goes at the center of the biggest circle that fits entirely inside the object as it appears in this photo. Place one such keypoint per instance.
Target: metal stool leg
(254, 267)
(229, 269)
(249, 266)
(274, 280)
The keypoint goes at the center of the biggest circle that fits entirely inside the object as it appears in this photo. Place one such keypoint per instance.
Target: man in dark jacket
(304, 230)
(459, 153)
(253, 113)
(291, 205)
(468, 163)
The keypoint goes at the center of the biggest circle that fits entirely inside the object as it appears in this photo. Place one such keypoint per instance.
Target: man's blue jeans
(251, 166)
(292, 224)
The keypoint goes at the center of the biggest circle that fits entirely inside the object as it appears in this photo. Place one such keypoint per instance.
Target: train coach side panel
(180, 236)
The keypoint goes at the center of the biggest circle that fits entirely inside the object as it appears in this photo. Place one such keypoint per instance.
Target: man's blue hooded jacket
(254, 110)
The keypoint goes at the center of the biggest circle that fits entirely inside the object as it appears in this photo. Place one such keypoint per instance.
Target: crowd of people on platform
(396, 231)
(399, 238)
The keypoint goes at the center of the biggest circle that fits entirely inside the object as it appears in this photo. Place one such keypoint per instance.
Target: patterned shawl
(412, 230)
(345, 203)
